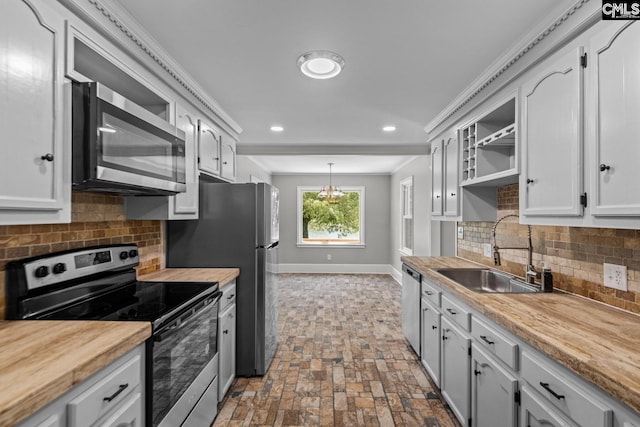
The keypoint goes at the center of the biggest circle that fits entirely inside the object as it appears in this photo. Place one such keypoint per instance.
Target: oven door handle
(181, 322)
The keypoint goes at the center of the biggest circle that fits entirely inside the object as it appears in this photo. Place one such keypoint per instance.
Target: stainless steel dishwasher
(411, 306)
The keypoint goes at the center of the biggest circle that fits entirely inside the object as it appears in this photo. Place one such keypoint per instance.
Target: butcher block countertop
(222, 275)
(598, 342)
(41, 359)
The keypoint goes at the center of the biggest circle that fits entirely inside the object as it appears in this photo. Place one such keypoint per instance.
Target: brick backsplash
(575, 254)
(96, 219)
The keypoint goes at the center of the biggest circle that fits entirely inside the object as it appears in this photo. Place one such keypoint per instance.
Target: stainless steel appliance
(99, 283)
(121, 147)
(238, 227)
(411, 306)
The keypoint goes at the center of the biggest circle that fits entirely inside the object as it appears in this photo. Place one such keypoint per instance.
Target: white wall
(372, 258)
(246, 168)
(420, 169)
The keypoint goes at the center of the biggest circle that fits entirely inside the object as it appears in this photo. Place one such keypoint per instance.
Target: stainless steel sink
(486, 280)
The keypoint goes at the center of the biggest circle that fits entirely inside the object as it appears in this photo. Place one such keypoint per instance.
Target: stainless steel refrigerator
(238, 227)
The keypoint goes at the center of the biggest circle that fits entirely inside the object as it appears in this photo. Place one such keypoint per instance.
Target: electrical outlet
(328, 257)
(460, 232)
(486, 250)
(615, 276)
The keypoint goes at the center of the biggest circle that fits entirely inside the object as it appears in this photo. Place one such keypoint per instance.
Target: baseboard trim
(338, 268)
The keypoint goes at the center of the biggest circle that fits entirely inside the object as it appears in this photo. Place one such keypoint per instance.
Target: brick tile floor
(341, 361)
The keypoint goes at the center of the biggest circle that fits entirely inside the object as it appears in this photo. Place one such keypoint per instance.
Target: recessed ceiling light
(389, 128)
(277, 128)
(320, 64)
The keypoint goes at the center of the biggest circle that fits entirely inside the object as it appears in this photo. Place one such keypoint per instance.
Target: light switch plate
(615, 276)
(460, 232)
(486, 250)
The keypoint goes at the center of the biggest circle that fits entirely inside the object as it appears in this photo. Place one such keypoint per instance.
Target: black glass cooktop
(142, 301)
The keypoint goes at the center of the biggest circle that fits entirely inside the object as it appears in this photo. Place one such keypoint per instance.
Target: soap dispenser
(546, 285)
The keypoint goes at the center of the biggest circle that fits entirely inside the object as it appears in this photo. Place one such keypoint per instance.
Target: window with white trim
(321, 222)
(406, 216)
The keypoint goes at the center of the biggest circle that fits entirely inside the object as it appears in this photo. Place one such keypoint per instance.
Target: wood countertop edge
(23, 406)
(587, 369)
(223, 276)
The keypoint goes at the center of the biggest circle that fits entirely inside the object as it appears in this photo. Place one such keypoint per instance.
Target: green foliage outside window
(342, 217)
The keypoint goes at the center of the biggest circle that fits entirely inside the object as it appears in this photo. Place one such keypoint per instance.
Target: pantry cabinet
(613, 68)
(551, 179)
(35, 176)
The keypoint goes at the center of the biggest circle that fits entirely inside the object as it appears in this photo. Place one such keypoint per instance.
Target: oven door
(182, 363)
(120, 146)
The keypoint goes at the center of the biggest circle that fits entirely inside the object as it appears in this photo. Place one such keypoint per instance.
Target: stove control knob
(42, 271)
(124, 255)
(133, 253)
(59, 268)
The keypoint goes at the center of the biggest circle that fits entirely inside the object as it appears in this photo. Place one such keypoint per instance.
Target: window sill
(330, 245)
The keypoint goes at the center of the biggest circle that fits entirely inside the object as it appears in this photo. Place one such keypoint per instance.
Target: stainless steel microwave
(120, 147)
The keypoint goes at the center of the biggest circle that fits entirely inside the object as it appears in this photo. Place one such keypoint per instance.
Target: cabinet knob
(453, 194)
(476, 372)
(48, 157)
(216, 158)
(226, 331)
(434, 327)
(604, 167)
(529, 181)
(437, 196)
(224, 163)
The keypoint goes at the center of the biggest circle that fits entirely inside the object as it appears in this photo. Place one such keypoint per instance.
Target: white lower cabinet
(492, 378)
(494, 392)
(455, 379)
(112, 397)
(535, 412)
(430, 343)
(227, 339)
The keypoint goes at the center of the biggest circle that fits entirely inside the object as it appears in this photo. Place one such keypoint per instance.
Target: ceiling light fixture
(276, 128)
(389, 128)
(320, 64)
(330, 194)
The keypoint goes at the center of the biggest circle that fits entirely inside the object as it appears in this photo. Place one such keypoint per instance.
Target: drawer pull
(231, 296)
(553, 393)
(453, 313)
(121, 388)
(429, 293)
(485, 339)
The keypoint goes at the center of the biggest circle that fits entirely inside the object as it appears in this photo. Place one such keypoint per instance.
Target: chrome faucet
(530, 271)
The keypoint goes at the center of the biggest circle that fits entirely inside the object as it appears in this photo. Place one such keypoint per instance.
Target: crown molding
(345, 149)
(533, 38)
(118, 24)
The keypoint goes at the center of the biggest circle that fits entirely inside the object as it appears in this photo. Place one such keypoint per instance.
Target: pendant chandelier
(330, 193)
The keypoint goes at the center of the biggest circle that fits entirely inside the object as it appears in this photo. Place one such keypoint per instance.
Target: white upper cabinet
(228, 156)
(437, 177)
(209, 156)
(35, 167)
(614, 104)
(450, 186)
(551, 181)
(186, 204)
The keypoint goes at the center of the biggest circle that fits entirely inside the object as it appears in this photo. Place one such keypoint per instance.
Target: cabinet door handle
(121, 388)
(231, 296)
(485, 339)
(476, 372)
(226, 331)
(216, 158)
(425, 309)
(434, 327)
(48, 157)
(604, 167)
(553, 393)
(453, 194)
(437, 196)
(453, 313)
(529, 181)
(428, 293)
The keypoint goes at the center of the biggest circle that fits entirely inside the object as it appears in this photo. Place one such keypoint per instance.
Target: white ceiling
(405, 61)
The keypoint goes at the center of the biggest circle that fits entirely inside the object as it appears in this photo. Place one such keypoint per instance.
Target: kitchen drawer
(535, 411)
(495, 343)
(570, 397)
(456, 313)
(431, 293)
(228, 296)
(106, 394)
(129, 414)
